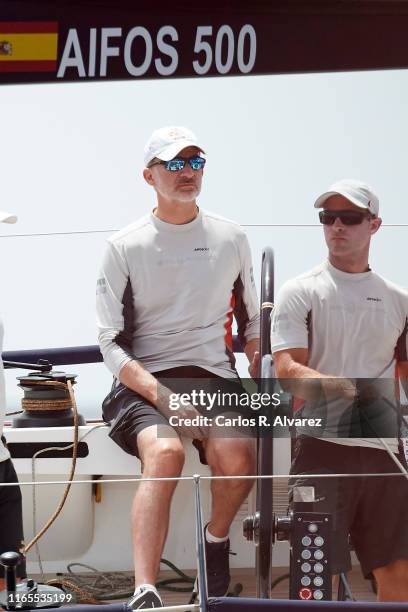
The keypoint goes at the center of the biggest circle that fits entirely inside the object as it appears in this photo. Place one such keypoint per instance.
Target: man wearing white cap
(340, 332)
(11, 531)
(169, 286)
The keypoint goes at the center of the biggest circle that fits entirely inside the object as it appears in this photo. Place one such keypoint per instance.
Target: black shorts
(11, 517)
(372, 510)
(128, 413)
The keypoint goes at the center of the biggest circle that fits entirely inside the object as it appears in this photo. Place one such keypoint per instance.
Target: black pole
(200, 548)
(9, 561)
(264, 491)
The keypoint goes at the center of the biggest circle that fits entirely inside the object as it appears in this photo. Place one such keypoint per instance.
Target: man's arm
(114, 310)
(305, 382)
(252, 352)
(246, 307)
(134, 376)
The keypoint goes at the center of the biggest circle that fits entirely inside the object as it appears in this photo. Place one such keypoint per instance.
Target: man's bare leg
(161, 457)
(392, 581)
(229, 457)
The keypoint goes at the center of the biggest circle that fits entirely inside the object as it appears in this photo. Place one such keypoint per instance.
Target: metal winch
(48, 399)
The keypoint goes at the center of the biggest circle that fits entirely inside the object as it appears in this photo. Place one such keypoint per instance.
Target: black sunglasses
(347, 217)
(178, 163)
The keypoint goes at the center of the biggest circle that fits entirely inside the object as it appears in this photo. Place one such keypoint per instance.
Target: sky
(71, 169)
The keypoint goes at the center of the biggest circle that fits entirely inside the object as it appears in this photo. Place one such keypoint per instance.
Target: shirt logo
(100, 286)
(201, 249)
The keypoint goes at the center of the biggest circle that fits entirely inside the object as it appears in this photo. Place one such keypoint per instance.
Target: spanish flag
(28, 46)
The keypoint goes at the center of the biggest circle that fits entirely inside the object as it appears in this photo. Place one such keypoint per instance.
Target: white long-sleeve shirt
(167, 293)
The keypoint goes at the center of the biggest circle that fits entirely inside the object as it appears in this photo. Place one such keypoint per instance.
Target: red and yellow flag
(28, 46)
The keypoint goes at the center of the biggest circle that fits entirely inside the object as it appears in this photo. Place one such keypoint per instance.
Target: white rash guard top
(354, 326)
(4, 454)
(167, 293)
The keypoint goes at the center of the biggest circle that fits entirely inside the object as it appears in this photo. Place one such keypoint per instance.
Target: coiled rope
(41, 405)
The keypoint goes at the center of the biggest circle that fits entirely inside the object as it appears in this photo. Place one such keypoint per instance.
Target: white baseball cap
(356, 192)
(6, 217)
(166, 142)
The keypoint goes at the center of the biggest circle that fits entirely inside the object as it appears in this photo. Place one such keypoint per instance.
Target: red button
(305, 594)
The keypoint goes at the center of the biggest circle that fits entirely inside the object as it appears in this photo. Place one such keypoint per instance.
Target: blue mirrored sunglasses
(178, 163)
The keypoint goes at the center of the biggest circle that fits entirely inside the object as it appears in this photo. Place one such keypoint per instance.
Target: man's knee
(164, 457)
(232, 456)
(392, 581)
(397, 569)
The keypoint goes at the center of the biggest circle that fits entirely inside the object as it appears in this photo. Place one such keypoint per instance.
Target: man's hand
(370, 391)
(253, 367)
(252, 352)
(340, 387)
(134, 376)
(349, 393)
(306, 383)
(182, 416)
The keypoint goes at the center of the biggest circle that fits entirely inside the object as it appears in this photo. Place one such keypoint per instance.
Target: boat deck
(360, 587)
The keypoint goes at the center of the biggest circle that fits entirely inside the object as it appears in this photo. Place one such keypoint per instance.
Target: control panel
(310, 569)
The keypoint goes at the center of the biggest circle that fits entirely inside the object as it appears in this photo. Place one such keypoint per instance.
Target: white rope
(111, 231)
(186, 607)
(394, 458)
(194, 477)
